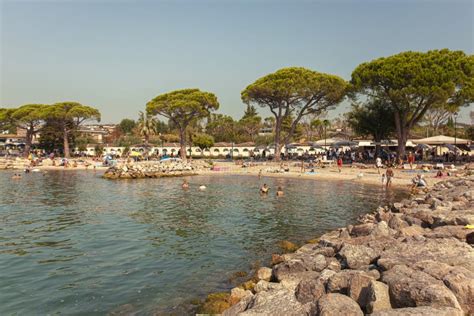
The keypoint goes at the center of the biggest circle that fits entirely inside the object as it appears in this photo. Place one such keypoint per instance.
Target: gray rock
(264, 273)
(396, 222)
(238, 308)
(362, 229)
(288, 268)
(310, 290)
(411, 288)
(378, 298)
(340, 281)
(334, 304)
(275, 302)
(459, 280)
(356, 256)
(420, 311)
(263, 285)
(358, 288)
(446, 250)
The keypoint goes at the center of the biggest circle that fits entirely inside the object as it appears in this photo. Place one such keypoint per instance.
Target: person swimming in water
(185, 185)
(202, 187)
(264, 189)
(280, 192)
(16, 176)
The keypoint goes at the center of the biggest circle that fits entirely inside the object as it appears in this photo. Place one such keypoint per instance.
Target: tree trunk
(277, 140)
(66, 143)
(182, 142)
(402, 132)
(28, 141)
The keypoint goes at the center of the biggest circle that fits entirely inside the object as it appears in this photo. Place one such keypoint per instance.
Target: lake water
(74, 243)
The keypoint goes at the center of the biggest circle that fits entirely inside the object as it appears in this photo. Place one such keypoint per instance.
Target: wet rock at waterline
(414, 257)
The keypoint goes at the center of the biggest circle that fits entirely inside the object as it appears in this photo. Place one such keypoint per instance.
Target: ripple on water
(71, 241)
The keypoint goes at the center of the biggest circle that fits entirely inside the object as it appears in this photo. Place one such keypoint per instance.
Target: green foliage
(68, 116)
(182, 107)
(203, 140)
(127, 140)
(72, 111)
(250, 112)
(295, 92)
(249, 126)
(99, 150)
(127, 125)
(146, 126)
(52, 135)
(6, 121)
(29, 117)
(373, 118)
(222, 127)
(413, 82)
(161, 127)
(264, 140)
(81, 142)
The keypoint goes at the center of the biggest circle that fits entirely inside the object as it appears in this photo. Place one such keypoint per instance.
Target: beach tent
(441, 140)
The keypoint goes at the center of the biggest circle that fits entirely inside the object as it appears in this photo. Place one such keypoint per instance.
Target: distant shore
(368, 175)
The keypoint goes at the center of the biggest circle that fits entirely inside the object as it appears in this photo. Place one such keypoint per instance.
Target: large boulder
(263, 285)
(310, 290)
(358, 288)
(340, 281)
(238, 308)
(275, 302)
(334, 304)
(411, 288)
(378, 297)
(420, 311)
(446, 250)
(288, 268)
(458, 279)
(264, 273)
(362, 229)
(357, 256)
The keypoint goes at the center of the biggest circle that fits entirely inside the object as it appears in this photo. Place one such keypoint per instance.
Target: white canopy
(329, 141)
(440, 140)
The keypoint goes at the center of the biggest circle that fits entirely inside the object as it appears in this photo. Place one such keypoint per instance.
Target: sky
(117, 55)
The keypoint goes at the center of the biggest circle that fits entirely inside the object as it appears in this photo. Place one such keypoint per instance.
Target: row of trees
(63, 117)
(388, 95)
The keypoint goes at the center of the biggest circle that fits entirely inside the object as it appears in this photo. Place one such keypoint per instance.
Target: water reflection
(72, 242)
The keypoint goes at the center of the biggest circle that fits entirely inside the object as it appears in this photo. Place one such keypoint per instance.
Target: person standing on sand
(339, 164)
(389, 175)
(411, 159)
(378, 164)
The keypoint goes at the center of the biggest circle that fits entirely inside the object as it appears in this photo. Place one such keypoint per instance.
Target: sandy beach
(368, 175)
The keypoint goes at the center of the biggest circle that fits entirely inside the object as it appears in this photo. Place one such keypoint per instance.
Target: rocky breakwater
(415, 257)
(153, 169)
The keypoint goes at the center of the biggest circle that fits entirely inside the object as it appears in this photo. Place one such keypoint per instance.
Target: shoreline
(402, 178)
(373, 267)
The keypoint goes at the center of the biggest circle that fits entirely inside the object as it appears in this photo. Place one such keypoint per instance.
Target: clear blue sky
(117, 55)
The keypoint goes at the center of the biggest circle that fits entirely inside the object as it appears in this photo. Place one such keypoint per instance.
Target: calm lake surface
(74, 243)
